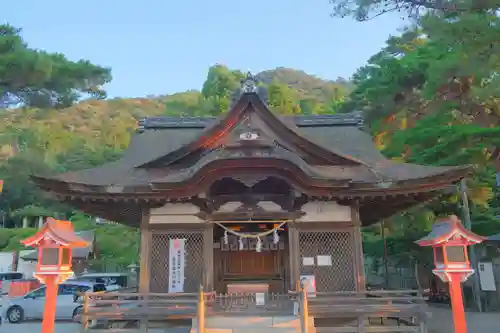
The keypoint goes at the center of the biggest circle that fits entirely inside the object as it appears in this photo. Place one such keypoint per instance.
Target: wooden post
(361, 324)
(208, 257)
(85, 310)
(359, 262)
(201, 312)
(145, 255)
(145, 268)
(144, 323)
(304, 312)
(40, 222)
(294, 256)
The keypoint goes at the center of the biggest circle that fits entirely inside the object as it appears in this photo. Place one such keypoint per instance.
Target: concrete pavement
(441, 321)
(36, 327)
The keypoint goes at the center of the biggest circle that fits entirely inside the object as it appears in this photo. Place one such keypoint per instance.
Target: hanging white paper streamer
(226, 238)
(276, 237)
(259, 245)
(240, 241)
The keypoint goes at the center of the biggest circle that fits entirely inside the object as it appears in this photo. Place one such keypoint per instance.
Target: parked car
(112, 281)
(31, 305)
(6, 278)
(10, 276)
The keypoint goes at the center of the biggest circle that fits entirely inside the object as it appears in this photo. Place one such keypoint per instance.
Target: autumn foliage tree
(431, 96)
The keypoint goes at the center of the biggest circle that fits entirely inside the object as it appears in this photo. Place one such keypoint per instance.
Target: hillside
(110, 122)
(307, 86)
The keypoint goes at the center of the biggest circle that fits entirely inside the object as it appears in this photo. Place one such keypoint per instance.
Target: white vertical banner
(176, 265)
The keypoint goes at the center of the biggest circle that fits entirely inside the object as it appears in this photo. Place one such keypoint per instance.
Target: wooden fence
(339, 312)
(368, 311)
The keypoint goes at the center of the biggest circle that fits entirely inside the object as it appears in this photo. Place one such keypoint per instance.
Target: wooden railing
(128, 312)
(369, 311)
(338, 312)
(250, 304)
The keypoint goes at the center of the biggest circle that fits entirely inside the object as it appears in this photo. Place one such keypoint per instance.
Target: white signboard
(486, 276)
(324, 260)
(260, 299)
(307, 261)
(176, 265)
(308, 282)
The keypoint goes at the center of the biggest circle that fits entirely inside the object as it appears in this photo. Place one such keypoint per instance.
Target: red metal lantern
(449, 240)
(54, 241)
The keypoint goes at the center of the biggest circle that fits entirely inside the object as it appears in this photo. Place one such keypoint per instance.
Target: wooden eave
(236, 217)
(129, 210)
(202, 180)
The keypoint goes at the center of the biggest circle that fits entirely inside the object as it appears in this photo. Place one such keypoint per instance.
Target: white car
(31, 305)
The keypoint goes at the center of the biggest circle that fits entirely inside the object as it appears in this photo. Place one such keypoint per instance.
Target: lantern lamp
(54, 241)
(449, 241)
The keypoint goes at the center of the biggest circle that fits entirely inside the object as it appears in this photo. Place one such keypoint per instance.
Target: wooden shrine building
(250, 198)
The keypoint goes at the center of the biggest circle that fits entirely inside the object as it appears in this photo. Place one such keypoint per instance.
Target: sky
(158, 47)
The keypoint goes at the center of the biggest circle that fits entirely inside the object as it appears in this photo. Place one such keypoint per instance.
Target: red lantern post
(55, 241)
(449, 240)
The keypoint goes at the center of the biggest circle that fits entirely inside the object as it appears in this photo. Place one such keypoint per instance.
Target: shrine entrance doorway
(242, 265)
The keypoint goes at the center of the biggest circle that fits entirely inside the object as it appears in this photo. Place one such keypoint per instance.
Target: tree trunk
(417, 279)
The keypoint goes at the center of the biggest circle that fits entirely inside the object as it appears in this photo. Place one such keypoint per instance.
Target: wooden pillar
(40, 222)
(208, 257)
(294, 254)
(145, 255)
(359, 262)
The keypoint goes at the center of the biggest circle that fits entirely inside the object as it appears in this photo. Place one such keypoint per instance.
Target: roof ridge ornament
(249, 84)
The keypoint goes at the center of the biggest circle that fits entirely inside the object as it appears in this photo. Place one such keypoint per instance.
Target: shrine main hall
(250, 199)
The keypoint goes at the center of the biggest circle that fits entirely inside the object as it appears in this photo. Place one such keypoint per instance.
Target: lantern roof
(448, 229)
(62, 232)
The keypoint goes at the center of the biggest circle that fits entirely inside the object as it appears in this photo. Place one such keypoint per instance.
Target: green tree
(38, 78)
(430, 96)
(282, 98)
(363, 10)
(221, 82)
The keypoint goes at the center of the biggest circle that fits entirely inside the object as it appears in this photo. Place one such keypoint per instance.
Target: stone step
(244, 322)
(255, 330)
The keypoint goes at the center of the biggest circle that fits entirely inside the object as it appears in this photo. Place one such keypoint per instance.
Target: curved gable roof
(247, 103)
